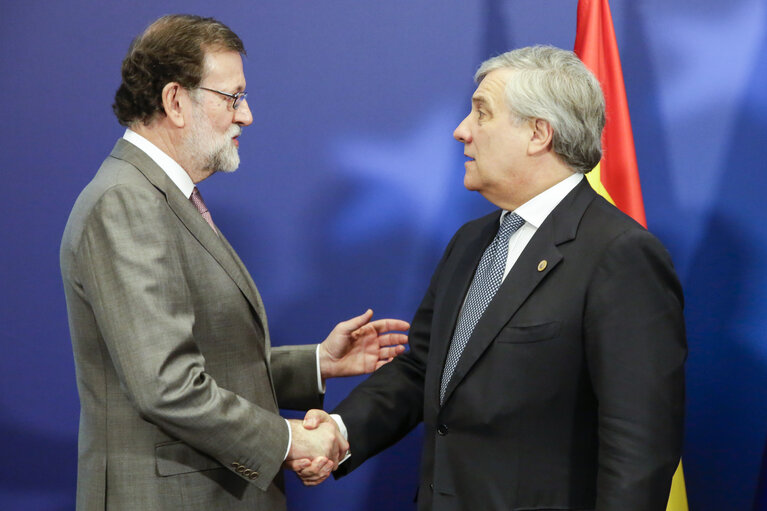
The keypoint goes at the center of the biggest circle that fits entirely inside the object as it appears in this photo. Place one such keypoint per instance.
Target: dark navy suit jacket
(570, 393)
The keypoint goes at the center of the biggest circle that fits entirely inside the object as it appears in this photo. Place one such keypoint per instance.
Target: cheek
(221, 124)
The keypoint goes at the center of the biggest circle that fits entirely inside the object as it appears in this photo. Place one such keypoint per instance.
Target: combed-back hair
(172, 49)
(554, 85)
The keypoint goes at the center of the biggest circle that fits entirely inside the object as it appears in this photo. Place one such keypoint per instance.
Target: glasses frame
(237, 98)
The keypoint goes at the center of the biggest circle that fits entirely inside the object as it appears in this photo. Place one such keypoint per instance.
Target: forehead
(492, 89)
(224, 68)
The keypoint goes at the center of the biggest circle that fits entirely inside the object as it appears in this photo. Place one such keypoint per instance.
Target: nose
(242, 115)
(462, 132)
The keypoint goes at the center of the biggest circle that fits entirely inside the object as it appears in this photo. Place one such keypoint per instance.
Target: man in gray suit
(179, 387)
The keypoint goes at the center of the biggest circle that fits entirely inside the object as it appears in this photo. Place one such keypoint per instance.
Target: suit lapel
(559, 227)
(216, 246)
(461, 274)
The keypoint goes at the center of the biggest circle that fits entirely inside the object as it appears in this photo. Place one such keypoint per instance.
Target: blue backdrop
(351, 185)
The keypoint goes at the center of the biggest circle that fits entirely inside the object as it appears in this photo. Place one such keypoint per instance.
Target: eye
(480, 114)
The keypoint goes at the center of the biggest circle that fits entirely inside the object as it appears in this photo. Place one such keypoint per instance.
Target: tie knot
(509, 225)
(196, 199)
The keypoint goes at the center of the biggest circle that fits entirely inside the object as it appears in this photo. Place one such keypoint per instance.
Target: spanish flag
(616, 177)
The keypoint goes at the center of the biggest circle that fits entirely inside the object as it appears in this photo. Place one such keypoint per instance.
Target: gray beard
(200, 145)
(223, 159)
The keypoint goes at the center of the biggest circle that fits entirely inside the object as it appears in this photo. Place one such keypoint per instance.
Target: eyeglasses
(237, 97)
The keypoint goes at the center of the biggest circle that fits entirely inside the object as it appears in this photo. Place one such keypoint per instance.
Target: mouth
(235, 132)
(468, 158)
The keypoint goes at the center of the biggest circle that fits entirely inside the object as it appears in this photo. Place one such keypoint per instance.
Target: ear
(541, 136)
(175, 99)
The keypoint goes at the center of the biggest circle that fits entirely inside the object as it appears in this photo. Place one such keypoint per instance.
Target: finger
(390, 352)
(339, 449)
(343, 448)
(392, 339)
(313, 482)
(319, 470)
(356, 322)
(298, 464)
(314, 468)
(315, 479)
(390, 325)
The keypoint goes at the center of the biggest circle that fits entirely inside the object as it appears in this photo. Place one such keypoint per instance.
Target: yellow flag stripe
(677, 501)
(596, 184)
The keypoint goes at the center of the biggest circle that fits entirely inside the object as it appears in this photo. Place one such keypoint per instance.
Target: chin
(469, 184)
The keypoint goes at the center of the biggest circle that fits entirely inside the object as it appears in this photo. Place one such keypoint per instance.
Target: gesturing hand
(358, 346)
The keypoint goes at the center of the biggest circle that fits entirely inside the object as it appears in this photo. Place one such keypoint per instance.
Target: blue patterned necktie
(487, 280)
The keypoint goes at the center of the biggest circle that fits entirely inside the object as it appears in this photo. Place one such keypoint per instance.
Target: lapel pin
(542, 265)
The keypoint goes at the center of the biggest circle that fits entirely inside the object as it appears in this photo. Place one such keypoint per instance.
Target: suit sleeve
(294, 369)
(636, 349)
(133, 277)
(386, 406)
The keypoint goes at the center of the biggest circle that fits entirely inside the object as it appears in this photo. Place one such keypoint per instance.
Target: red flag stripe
(596, 46)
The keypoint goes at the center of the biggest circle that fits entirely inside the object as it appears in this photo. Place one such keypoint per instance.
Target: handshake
(317, 447)
(356, 346)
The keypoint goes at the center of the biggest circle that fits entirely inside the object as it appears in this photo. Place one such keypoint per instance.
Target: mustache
(235, 130)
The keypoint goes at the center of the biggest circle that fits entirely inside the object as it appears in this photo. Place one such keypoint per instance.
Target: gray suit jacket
(178, 384)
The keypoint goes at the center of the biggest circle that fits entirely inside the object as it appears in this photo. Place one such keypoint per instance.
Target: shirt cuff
(344, 432)
(290, 440)
(320, 383)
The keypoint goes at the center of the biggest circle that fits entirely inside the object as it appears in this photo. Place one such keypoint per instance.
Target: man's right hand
(317, 431)
(323, 440)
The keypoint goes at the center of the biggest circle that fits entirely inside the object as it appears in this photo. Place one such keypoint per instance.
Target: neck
(170, 141)
(540, 177)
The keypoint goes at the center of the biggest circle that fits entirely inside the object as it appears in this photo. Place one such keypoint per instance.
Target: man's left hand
(359, 346)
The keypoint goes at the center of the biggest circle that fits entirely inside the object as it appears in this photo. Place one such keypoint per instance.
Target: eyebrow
(479, 101)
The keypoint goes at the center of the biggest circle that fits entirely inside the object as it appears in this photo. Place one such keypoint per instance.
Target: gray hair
(554, 85)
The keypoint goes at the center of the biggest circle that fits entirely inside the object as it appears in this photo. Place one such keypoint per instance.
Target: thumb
(314, 418)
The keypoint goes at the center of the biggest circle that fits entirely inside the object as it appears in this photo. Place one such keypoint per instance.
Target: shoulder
(606, 224)
(118, 192)
(619, 243)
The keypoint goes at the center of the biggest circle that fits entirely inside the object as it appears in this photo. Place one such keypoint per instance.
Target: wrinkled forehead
(491, 91)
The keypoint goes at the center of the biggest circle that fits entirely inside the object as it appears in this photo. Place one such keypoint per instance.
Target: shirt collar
(174, 171)
(535, 211)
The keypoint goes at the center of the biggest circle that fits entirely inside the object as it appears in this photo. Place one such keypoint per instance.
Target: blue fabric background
(351, 185)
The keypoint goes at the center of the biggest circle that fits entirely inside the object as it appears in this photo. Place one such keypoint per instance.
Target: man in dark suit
(546, 359)
(179, 387)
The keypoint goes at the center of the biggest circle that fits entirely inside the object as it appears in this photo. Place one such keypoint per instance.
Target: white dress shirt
(168, 165)
(534, 212)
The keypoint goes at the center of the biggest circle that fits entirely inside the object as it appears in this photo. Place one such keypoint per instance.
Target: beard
(212, 152)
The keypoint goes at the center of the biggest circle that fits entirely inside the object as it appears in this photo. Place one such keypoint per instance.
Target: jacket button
(235, 465)
(431, 486)
(241, 469)
(247, 472)
(254, 475)
(442, 429)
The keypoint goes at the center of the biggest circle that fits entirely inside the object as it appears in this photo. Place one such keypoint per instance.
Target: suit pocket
(523, 334)
(176, 457)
